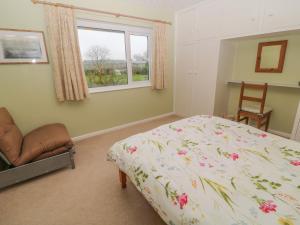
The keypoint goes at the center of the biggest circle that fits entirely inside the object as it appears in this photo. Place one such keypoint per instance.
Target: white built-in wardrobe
(296, 130)
(202, 65)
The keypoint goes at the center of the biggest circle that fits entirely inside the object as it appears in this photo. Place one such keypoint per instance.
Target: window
(114, 57)
(139, 57)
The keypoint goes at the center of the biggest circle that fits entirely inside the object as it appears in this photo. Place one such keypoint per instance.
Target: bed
(209, 171)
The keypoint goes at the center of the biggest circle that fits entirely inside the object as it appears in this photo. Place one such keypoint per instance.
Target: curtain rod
(98, 11)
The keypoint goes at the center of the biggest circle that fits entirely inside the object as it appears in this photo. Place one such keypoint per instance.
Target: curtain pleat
(69, 77)
(159, 57)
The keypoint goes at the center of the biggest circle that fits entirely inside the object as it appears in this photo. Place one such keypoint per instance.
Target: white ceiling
(172, 4)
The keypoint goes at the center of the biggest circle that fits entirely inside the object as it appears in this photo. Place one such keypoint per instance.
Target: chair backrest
(259, 87)
(5, 117)
(10, 137)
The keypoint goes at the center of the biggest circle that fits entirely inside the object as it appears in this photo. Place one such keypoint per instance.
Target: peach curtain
(159, 56)
(69, 77)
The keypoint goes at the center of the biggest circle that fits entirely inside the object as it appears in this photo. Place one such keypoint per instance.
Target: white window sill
(118, 87)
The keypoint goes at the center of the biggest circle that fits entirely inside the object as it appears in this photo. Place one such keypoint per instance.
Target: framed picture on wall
(22, 47)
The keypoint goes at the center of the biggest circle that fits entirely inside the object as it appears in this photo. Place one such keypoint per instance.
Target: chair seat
(256, 109)
(43, 142)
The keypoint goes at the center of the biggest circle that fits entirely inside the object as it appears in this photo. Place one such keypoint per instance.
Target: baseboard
(279, 133)
(104, 131)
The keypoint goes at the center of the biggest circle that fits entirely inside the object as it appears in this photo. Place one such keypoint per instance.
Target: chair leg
(258, 123)
(238, 117)
(268, 122)
(123, 179)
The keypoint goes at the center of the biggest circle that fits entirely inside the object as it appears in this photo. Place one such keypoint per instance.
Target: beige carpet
(88, 195)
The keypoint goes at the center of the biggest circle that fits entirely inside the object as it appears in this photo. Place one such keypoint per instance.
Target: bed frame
(123, 178)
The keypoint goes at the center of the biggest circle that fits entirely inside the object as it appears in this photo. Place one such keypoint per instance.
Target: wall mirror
(271, 56)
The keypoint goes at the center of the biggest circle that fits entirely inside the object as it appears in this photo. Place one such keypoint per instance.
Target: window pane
(104, 57)
(139, 57)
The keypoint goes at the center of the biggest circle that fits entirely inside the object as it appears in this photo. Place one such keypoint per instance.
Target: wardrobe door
(205, 76)
(186, 26)
(185, 70)
(209, 19)
(281, 15)
(240, 17)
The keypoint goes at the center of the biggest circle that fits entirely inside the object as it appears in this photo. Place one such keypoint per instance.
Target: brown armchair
(42, 150)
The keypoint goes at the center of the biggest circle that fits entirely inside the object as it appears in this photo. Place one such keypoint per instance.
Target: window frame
(127, 30)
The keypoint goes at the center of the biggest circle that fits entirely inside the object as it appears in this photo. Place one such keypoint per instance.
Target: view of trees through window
(139, 57)
(104, 57)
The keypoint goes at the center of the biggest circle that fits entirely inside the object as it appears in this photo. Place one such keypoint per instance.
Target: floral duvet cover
(210, 171)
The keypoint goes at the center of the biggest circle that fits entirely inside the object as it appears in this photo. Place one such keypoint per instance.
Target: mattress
(208, 171)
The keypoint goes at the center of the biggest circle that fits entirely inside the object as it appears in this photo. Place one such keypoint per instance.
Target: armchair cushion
(10, 142)
(44, 142)
(54, 152)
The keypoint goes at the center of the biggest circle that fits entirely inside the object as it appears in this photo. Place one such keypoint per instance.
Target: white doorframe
(296, 130)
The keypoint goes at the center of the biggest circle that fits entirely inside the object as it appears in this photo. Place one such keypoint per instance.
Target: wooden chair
(259, 112)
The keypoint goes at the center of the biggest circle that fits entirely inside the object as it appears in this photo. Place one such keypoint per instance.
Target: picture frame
(22, 47)
(270, 62)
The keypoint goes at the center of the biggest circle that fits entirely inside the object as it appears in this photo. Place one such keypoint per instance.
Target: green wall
(284, 101)
(28, 92)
